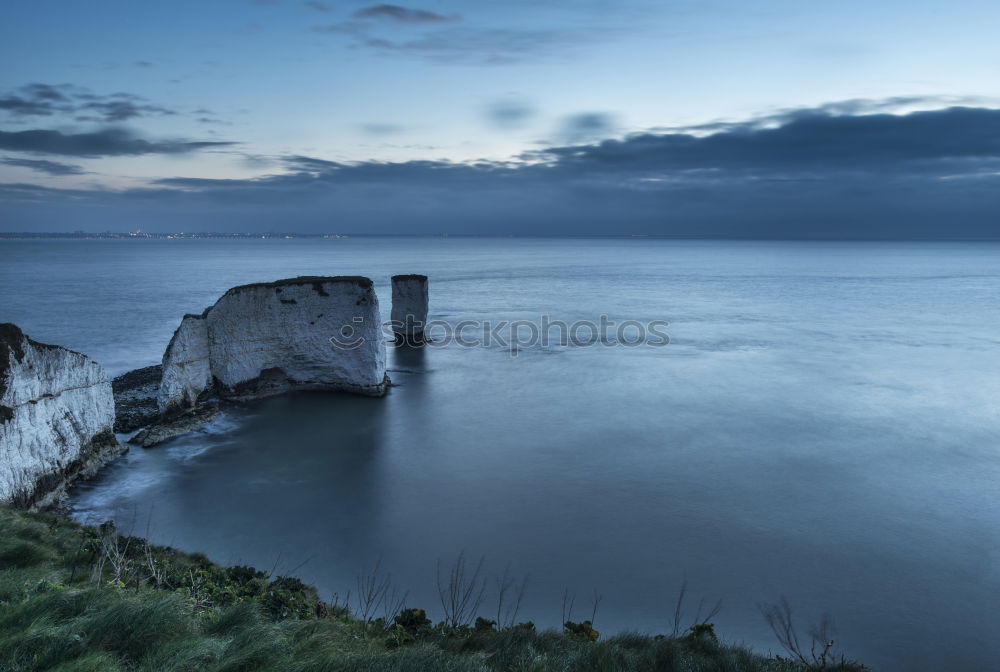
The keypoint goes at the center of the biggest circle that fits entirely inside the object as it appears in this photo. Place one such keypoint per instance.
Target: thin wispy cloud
(46, 100)
(399, 14)
(586, 126)
(37, 100)
(475, 46)
(381, 129)
(43, 166)
(509, 113)
(477, 42)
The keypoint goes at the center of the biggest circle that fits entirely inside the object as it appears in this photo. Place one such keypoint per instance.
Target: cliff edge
(56, 418)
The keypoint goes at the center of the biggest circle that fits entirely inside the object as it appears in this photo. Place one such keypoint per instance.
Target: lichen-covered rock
(409, 308)
(307, 333)
(186, 371)
(56, 417)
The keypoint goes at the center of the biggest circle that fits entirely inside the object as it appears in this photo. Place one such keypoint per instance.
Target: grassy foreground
(75, 598)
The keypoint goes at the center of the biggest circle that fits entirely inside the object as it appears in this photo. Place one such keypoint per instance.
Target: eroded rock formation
(307, 333)
(409, 308)
(56, 417)
(186, 371)
(312, 333)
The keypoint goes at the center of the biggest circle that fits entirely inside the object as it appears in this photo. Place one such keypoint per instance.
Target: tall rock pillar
(409, 308)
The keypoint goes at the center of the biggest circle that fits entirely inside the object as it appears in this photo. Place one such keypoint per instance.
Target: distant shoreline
(207, 235)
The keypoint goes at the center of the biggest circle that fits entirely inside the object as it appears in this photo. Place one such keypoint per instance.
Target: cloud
(812, 139)
(586, 126)
(816, 174)
(381, 129)
(318, 6)
(107, 142)
(400, 14)
(43, 100)
(472, 44)
(119, 110)
(479, 46)
(42, 166)
(853, 106)
(509, 113)
(36, 100)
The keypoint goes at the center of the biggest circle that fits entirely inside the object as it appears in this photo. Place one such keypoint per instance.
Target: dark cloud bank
(106, 142)
(806, 174)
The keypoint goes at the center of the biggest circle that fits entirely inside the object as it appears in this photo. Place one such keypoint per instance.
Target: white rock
(56, 417)
(310, 333)
(186, 370)
(409, 307)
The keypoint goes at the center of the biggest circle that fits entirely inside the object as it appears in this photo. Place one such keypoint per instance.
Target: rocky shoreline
(135, 398)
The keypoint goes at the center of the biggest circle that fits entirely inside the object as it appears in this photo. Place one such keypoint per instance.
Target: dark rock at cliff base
(135, 398)
(174, 426)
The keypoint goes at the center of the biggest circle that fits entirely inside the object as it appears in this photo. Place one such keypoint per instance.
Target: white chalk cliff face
(56, 417)
(186, 371)
(409, 306)
(309, 333)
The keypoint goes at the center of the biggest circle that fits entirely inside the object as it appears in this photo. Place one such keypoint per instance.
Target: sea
(747, 421)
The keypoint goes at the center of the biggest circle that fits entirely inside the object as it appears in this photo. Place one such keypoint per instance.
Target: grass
(76, 599)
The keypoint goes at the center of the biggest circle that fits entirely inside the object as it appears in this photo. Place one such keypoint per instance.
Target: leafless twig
(462, 592)
(507, 611)
(567, 605)
(820, 654)
(373, 587)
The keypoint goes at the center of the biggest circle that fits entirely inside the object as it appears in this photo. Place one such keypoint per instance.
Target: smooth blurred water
(823, 426)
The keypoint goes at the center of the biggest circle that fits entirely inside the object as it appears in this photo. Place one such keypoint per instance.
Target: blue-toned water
(824, 425)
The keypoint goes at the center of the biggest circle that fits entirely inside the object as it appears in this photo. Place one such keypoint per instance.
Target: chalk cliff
(409, 308)
(56, 418)
(315, 333)
(306, 333)
(186, 371)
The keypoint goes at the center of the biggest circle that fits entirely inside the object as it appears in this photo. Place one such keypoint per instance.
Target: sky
(715, 118)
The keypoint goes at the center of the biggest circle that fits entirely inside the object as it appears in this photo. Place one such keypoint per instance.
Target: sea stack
(56, 418)
(409, 308)
(306, 333)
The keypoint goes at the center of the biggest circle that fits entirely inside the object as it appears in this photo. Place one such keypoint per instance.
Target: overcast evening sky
(716, 118)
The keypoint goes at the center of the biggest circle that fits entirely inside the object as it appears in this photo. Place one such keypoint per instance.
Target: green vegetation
(76, 598)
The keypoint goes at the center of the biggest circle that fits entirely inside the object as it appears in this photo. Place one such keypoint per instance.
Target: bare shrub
(700, 619)
(819, 652)
(510, 594)
(113, 556)
(373, 590)
(461, 592)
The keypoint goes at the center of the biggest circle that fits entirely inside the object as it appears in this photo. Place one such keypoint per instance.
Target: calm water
(824, 425)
